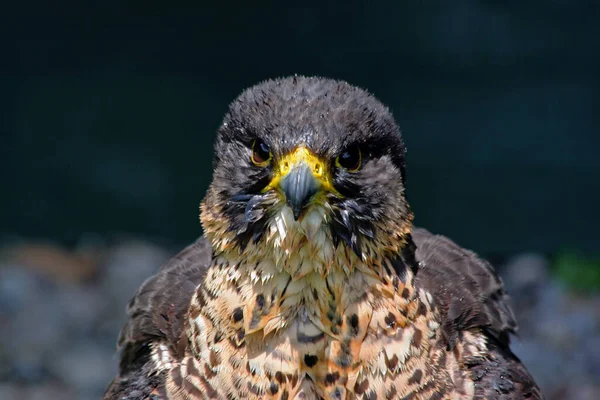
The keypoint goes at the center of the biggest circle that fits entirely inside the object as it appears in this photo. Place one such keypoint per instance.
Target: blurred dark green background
(109, 110)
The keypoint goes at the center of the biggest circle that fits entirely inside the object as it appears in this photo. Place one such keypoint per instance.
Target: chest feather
(356, 332)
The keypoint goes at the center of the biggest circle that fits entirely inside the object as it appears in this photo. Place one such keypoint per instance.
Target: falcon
(310, 281)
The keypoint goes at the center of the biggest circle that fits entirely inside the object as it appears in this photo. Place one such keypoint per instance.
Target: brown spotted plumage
(310, 281)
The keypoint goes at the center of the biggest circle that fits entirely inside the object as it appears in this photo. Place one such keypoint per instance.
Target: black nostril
(299, 185)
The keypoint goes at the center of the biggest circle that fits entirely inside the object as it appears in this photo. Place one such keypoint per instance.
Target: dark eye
(350, 159)
(261, 154)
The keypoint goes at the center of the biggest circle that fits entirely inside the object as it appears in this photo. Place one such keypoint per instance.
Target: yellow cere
(301, 154)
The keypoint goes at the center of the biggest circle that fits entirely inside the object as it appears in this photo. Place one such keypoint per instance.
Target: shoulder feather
(465, 288)
(157, 316)
(470, 295)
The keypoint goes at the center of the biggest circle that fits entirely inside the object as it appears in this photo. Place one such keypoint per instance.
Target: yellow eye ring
(350, 159)
(261, 154)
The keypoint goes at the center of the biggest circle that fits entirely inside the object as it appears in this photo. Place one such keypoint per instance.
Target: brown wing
(157, 316)
(470, 295)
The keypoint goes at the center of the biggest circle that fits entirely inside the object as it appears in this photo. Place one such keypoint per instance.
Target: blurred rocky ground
(61, 310)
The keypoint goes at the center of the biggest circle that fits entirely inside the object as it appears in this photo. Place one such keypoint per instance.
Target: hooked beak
(301, 175)
(299, 185)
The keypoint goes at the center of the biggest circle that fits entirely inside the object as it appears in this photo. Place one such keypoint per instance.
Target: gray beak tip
(297, 211)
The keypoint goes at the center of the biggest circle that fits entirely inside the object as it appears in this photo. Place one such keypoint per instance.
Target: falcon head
(308, 161)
